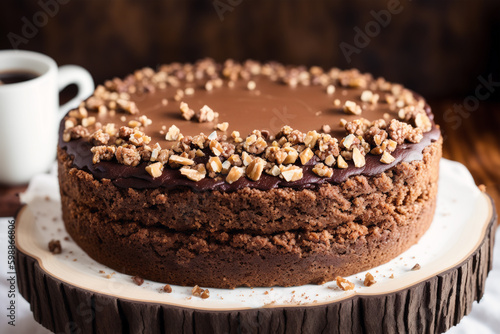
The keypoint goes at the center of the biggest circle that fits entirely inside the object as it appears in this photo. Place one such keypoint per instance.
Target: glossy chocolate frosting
(269, 106)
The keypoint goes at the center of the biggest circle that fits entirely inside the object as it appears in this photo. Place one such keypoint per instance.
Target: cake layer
(366, 200)
(227, 260)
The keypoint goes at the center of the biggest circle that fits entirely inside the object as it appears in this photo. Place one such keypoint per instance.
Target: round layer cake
(248, 174)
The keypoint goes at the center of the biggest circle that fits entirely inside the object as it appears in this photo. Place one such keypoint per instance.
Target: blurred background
(448, 51)
(437, 48)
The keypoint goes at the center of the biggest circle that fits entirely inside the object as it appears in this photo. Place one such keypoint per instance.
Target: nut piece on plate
(369, 280)
(344, 284)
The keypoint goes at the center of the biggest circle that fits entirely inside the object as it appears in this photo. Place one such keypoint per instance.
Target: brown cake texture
(248, 174)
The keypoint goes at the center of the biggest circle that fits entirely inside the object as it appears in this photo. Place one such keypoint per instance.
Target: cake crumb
(55, 247)
(369, 280)
(266, 292)
(167, 288)
(344, 284)
(101, 271)
(416, 267)
(482, 187)
(138, 280)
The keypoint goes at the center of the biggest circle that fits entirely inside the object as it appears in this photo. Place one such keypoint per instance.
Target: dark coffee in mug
(15, 76)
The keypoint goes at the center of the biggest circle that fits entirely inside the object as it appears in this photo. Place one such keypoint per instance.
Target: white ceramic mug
(30, 112)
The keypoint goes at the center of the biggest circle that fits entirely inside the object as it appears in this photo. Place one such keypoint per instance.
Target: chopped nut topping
(311, 138)
(322, 170)
(99, 138)
(163, 156)
(222, 126)
(134, 124)
(341, 162)
(145, 121)
(350, 107)
(326, 128)
(292, 155)
(128, 156)
(189, 91)
(330, 89)
(358, 158)
(330, 160)
(177, 159)
(55, 247)
(387, 158)
(399, 132)
(255, 168)
(235, 174)
(187, 113)
(102, 153)
(167, 288)
(246, 158)
(214, 165)
(235, 160)
(209, 86)
(291, 172)
(206, 114)
(138, 138)
(216, 147)
(235, 134)
(155, 170)
(306, 155)
(344, 284)
(274, 171)
(194, 174)
(127, 106)
(212, 136)
(70, 123)
(423, 122)
(251, 85)
(226, 166)
(369, 280)
(173, 133)
(88, 121)
(366, 96)
(348, 141)
(110, 129)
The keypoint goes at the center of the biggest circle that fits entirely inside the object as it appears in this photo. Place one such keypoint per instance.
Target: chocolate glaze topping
(269, 106)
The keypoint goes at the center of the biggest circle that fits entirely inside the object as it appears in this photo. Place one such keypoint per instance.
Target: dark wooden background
(437, 48)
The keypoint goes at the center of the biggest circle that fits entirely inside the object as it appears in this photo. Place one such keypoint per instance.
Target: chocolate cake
(248, 174)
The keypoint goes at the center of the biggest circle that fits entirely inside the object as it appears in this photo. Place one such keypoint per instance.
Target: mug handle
(72, 74)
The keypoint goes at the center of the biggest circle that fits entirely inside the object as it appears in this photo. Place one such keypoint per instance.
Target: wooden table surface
(473, 141)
